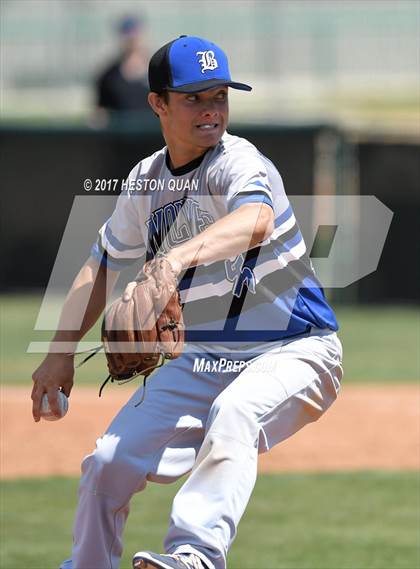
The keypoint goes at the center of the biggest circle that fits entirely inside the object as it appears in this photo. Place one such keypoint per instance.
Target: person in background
(122, 86)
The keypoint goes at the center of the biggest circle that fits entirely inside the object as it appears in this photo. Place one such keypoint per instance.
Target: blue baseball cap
(189, 65)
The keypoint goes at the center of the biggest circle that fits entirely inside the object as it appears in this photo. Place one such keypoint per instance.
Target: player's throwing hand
(55, 373)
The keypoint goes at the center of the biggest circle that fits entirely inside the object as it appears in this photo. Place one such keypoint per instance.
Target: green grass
(18, 318)
(312, 521)
(381, 344)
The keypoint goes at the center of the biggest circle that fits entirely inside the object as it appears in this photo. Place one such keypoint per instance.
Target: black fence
(43, 170)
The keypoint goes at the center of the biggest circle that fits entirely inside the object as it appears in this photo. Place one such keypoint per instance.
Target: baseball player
(261, 358)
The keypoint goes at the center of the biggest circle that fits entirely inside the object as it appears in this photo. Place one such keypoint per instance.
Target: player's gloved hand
(55, 372)
(176, 267)
(146, 326)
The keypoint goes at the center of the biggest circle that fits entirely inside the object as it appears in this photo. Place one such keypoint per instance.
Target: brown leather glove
(140, 333)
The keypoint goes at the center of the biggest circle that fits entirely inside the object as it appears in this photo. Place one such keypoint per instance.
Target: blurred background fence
(299, 55)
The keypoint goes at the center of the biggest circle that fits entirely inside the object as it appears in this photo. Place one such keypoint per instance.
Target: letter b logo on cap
(207, 60)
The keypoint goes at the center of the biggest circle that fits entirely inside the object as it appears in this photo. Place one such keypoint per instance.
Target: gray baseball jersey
(268, 293)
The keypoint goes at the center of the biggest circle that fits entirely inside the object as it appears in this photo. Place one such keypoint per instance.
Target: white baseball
(46, 412)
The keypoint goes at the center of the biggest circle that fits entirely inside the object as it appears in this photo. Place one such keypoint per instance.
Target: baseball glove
(140, 333)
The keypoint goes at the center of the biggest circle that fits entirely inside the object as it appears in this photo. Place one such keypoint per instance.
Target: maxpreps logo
(223, 365)
(207, 60)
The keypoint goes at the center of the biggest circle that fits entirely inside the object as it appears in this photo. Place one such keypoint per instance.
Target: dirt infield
(369, 427)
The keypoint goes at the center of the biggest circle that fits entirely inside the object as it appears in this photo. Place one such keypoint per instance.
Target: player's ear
(158, 103)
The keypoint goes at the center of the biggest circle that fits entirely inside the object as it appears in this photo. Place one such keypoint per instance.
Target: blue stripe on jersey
(106, 260)
(245, 336)
(308, 309)
(308, 306)
(314, 299)
(252, 198)
(288, 245)
(263, 317)
(283, 217)
(258, 183)
(269, 252)
(117, 244)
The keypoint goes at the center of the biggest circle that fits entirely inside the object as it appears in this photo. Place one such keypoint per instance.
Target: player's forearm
(84, 303)
(229, 236)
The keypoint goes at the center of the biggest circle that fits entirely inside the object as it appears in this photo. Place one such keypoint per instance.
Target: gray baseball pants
(212, 422)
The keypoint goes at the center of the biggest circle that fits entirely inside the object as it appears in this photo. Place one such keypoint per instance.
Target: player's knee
(233, 418)
(109, 465)
(228, 406)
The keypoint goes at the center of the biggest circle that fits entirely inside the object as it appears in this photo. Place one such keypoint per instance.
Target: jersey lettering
(175, 223)
(240, 276)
